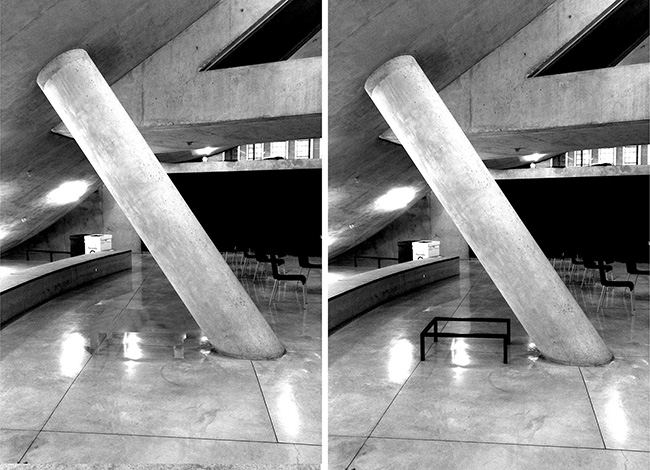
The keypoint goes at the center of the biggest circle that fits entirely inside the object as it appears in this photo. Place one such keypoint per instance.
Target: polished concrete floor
(151, 391)
(462, 408)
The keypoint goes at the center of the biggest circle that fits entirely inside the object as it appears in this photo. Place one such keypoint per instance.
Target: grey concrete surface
(155, 208)
(492, 228)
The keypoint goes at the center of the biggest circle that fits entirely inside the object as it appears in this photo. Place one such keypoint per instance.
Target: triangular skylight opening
(277, 36)
(604, 43)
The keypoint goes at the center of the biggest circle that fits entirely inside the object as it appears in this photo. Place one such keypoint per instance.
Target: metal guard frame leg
(506, 338)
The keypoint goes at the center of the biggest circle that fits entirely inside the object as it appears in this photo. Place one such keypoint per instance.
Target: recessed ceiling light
(67, 192)
(532, 157)
(396, 198)
(205, 151)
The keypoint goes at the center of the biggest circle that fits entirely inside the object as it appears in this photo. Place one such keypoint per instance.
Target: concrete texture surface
(142, 48)
(155, 208)
(24, 290)
(482, 78)
(447, 38)
(154, 392)
(480, 210)
(353, 296)
(464, 409)
(35, 161)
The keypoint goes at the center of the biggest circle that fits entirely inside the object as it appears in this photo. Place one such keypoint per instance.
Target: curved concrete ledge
(23, 290)
(351, 297)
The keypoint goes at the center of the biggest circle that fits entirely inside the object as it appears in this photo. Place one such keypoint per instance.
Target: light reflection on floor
(118, 371)
(464, 409)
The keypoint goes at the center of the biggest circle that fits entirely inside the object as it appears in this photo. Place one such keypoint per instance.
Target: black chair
(575, 262)
(264, 260)
(303, 262)
(609, 283)
(285, 277)
(246, 260)
(590, 265)
(631, 268)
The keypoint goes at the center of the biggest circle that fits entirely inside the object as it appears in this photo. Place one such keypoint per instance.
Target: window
(604, 42)
(250, 152)
(630, 155)
(277, 36)
(279, 149)
(259, 151)
(607, 156)
(315, 148)
(254, 152)
(582, 158)
(302, 148)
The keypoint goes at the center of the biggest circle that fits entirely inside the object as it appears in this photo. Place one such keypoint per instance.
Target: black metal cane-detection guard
(436, 334)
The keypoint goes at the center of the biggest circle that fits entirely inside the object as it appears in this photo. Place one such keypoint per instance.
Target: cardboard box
(426, 249)
(98, 242)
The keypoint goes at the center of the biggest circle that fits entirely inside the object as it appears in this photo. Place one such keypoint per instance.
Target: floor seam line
(593, 410)
(193, 438)
(405, 382)
(523, 444)
(383, 414)
(268, 412)
(47, 420)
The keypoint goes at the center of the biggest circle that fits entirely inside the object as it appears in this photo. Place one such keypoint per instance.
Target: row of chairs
(605, 274)
(627, 284)
(277, 263)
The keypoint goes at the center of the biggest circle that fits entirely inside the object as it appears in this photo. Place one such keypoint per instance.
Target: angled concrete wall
(505, 113)
(177, 107)
(426, 219)
(497, 105)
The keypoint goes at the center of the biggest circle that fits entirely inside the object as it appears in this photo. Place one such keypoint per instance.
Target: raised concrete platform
(355, 295)
(25, 289)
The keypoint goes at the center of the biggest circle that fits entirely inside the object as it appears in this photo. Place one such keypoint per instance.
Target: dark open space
(604, 217)
(274, 211)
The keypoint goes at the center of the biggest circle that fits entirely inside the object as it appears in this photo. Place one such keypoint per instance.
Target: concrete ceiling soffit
(244, 166)
(119, 35)
(178, 108)
(447, 38)
(570, 172)
(508, 116)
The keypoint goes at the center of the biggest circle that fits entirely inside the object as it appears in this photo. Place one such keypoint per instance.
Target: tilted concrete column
(464, 186)
(157, 211)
